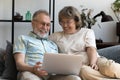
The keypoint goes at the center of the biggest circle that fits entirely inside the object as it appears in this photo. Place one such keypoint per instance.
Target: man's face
(41, 25)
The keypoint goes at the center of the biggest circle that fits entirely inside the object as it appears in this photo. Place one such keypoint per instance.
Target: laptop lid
(61, 63)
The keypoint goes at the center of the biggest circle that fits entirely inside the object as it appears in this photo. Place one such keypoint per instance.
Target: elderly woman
(81, 41)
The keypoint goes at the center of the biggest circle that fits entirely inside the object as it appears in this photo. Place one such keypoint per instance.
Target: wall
(22, 6)
(106, 31)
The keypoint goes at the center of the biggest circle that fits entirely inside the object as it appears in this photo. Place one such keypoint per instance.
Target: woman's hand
(38, 71)
(92, 56)
(94, 66)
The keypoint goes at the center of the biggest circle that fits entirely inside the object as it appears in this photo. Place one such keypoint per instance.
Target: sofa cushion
(111, 53)
(1, 67)
(10, 71)
(2, 54)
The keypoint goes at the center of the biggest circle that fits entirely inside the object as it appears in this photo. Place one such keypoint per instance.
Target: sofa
(8, 69)
(7, 64)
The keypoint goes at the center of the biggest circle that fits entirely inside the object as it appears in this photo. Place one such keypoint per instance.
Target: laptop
(61, 63)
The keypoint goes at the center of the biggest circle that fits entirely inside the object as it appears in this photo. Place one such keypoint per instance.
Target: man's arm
(20, 64)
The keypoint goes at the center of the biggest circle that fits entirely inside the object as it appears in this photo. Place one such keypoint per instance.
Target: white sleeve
(90, 38)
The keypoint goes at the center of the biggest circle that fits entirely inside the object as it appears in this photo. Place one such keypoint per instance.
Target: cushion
(112, 52)
(109, 67)
(10, 71)
(2, 54)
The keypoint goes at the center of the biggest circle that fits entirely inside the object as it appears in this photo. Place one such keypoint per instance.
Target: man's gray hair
(39, 12)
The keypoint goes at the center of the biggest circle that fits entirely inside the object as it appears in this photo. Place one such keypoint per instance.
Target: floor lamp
(105, 17)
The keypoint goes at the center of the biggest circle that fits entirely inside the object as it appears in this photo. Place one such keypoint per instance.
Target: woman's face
(68, 25)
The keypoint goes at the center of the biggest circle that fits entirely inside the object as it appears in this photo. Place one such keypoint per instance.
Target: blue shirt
(34, 48)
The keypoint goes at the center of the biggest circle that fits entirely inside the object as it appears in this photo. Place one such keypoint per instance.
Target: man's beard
(41, 35)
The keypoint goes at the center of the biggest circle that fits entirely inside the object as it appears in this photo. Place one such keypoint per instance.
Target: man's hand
(38, 71)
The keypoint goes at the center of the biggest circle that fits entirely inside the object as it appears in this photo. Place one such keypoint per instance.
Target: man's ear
(33, 24)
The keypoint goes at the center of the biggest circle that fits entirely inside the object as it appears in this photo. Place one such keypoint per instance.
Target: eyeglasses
(67, 22)
(42, 23)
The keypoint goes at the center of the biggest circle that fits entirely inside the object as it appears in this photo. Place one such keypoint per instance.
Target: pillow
(2, 54)
(10, 71)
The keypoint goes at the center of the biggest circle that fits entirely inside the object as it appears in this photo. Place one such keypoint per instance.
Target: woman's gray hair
(39, 12)
(70, 12)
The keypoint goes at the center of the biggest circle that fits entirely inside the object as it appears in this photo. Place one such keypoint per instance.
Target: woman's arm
(92, 56)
